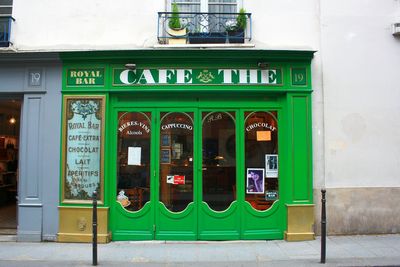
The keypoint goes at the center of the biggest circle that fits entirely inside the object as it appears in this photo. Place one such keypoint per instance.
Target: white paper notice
(134, 155)
(170, 179)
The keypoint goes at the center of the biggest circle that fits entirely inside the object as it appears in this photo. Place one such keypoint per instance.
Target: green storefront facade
(187, 144)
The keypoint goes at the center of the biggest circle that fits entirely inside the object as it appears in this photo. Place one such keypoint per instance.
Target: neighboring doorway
(10, 114)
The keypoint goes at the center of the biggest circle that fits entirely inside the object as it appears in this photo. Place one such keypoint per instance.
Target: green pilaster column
(300, 208)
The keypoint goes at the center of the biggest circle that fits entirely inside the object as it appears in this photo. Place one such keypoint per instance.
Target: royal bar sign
(85, 77)
(126, 77)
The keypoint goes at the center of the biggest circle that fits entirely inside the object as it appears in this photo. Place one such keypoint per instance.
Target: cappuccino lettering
(176, 126)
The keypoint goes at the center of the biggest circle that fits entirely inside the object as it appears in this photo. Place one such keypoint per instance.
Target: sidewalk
(377, 250)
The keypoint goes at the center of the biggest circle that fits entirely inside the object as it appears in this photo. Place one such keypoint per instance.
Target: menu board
(83, 147)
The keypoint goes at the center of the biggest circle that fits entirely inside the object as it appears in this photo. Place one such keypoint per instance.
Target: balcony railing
(5, 30)
(205, 28)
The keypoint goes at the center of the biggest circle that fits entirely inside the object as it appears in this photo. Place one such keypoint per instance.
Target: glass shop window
(219, 159)
(176, 160)
(261, 159)
(133, 162)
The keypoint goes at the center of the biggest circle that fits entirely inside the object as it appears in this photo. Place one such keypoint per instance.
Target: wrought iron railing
(205, 27)
(5, 30)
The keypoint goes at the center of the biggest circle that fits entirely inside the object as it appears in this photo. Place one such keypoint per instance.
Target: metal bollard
(94, 219)
(323, 227)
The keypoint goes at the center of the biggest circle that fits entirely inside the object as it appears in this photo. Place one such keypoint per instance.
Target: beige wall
(366, 210)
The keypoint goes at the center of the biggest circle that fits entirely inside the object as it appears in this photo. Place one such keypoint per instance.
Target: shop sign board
(127, 77)
(85, 77)
(83, 139)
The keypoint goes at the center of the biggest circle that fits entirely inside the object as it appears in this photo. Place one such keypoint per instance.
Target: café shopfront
(187, 145)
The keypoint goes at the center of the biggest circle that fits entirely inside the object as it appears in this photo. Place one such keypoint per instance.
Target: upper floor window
(6, 7)
(5, 22)
(217, 6)
(223, 6)
(204, 21)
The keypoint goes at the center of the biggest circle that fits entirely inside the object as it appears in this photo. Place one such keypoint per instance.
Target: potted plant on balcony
(236, 29)
(176, 31)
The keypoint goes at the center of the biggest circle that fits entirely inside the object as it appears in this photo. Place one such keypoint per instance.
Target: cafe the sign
(126, 77)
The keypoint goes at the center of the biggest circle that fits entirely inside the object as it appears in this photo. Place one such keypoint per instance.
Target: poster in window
(271, 165)
(134, 156)
(179, 179)
(165, 140)
(165, 156)
(271, 195)
(255, 181)
(176, 179)
(170, 179)
(83, 135)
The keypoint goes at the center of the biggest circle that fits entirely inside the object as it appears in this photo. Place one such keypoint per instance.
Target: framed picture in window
(255, 181)
(271, 165)
(165, 157)
(165, 140)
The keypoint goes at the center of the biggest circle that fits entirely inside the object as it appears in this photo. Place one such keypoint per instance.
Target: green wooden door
(176, 211)
(133, 145)
(154, 174)
(219, 208)
(196, 174)
(262, 178)
(239, 186)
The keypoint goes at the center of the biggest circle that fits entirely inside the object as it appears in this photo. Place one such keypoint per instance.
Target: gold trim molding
(75, 225)
(300, 222)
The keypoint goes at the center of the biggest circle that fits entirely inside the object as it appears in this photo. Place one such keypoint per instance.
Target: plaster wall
(84, 25)
(96, 24)
(284, 24)
(360, 64)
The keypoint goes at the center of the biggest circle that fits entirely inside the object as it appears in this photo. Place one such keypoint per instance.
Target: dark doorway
(10, 115)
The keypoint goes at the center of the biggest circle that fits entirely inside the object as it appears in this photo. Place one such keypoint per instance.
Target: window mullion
(203, 5)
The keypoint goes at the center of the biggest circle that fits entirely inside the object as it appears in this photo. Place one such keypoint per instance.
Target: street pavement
(366, 250)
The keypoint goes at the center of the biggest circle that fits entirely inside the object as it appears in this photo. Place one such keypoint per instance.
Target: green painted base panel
(130, 236)
(219, 235)
(176, 236)
(262, 235)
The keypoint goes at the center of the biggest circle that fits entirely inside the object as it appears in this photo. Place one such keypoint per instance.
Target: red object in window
(179, 179)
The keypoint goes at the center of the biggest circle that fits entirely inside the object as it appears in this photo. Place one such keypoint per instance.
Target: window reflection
(176, 160)
(133, 163)
(261, 159)
(219, 159)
